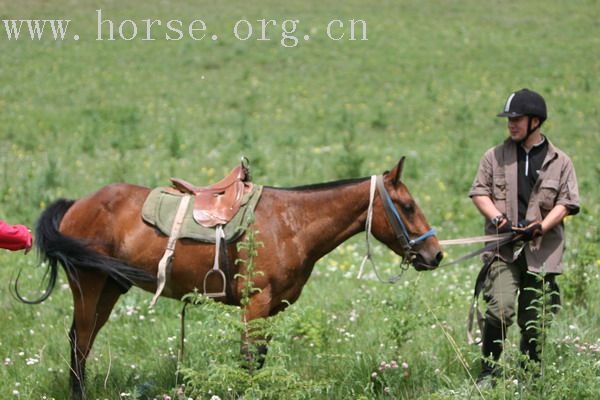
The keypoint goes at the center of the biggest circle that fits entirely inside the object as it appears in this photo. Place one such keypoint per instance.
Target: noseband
(397, 224)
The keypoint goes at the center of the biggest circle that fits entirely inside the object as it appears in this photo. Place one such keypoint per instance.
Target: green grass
(75, 116)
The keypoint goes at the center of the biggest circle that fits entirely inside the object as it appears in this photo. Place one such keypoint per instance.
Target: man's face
(517, 127)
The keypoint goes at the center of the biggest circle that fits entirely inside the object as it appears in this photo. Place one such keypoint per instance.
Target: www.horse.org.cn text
(285, 31)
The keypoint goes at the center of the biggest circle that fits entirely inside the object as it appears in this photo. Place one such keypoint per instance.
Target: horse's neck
(325, 218)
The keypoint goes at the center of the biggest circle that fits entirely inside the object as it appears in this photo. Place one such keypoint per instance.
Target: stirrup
(219, 237)
(222, 293)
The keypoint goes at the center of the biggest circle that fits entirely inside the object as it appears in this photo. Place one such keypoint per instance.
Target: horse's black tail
(54, 248)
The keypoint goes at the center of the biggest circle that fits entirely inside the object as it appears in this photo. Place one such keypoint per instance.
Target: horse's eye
(408, 208)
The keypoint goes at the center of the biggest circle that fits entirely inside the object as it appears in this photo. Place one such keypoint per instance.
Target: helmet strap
(530, 129)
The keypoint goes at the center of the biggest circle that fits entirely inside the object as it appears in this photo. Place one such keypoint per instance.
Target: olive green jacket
(556, 184)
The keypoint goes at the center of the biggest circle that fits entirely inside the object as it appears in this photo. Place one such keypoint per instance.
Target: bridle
(398, 227)
(401, 233)
(397, 224)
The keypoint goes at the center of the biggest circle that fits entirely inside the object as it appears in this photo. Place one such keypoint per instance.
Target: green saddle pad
(161, 206)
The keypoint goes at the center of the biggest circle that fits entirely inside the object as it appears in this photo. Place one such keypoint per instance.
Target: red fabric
(14, 237)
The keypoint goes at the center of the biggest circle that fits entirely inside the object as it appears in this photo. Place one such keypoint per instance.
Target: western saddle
(218, 203)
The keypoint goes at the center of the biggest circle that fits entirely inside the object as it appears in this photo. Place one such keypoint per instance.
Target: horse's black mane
(323, 185)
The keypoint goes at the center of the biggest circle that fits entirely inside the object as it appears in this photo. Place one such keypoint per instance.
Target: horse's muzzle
(421, 264)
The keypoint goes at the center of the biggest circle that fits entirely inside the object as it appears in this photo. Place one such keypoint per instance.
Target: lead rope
(474, 309)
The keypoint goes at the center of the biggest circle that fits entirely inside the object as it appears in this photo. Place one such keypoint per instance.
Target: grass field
(76, 115)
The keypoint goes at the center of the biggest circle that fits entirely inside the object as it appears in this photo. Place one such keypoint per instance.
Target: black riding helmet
(525, 102)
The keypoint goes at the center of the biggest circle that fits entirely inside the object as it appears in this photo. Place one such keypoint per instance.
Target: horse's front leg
(254, 350)
(254, 339)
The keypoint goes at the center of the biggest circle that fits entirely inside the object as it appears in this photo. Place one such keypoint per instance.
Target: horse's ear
(397, 172)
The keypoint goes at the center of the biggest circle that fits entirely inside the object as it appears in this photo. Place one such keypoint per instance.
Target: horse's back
(106, 215)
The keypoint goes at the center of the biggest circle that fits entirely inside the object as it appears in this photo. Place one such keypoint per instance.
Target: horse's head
(399, 223)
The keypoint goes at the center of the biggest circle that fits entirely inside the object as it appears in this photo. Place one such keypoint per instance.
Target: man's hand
(502, 224)
(528, 230)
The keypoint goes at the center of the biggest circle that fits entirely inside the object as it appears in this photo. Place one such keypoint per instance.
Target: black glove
(528, 230)
(502, 224)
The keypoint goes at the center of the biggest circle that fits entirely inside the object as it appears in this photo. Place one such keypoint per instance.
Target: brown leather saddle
(218, 203)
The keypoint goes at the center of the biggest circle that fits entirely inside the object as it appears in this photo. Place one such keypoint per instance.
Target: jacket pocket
(499, 192)
(548, 193)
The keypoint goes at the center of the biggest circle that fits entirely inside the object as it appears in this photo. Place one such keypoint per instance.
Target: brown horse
(105, 247)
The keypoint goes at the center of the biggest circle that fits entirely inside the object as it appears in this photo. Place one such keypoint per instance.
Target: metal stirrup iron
(219, 236)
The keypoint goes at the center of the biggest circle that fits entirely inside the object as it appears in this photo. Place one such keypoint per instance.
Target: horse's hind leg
(94, 297)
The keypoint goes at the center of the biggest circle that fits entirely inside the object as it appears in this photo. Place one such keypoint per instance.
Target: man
(528, 186)
(15, 237)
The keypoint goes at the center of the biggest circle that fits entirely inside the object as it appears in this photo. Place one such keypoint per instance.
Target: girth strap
(165, 261)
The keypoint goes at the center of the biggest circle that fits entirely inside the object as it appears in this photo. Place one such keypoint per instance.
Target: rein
(475, 239)
(495, 242)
